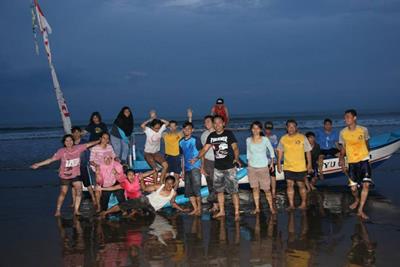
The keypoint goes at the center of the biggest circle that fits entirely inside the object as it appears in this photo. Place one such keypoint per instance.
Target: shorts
(225, 181)
(192, 183)
(329, 152)
(209, 170)
(140, 204)
(70, 181)
(295, 176)
(174, 163)
(360, 172)
(259, 177)
(154, 158)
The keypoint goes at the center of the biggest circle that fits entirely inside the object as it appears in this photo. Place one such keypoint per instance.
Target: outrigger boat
(382, 147)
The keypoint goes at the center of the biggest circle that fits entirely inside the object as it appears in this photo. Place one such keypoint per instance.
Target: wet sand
(327, 234)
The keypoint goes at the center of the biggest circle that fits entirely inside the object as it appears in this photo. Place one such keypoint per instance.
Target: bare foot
(237, 217)
(302, 207)
(219, 215)
(273, 210)
(198, 213)
(290, 208)
(362, 215)
(102, 214)
(193, 212)
(354, 205)
(57, 214)
(77, 213)
(213, 209)
(256, 211)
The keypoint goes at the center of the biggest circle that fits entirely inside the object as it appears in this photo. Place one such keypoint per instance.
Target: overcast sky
(261, 56)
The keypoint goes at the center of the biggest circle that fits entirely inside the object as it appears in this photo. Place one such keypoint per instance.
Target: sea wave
(34, 133)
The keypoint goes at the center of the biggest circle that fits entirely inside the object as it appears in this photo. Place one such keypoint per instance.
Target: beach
(327, 234)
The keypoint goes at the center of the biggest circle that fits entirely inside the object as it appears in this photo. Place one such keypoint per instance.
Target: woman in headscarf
(108, 174)
(121, 133)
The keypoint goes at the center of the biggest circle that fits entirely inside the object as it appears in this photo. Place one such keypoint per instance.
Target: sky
(271, 56)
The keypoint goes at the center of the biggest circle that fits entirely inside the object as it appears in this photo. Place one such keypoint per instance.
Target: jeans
(121, 148)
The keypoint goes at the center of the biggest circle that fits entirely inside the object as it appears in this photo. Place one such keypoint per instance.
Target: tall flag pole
(41, 22)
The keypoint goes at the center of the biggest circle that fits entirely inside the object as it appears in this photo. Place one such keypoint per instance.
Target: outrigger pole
(39, 21)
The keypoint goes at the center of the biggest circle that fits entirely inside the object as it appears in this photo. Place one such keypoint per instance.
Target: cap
(220, 101)
(269, 125)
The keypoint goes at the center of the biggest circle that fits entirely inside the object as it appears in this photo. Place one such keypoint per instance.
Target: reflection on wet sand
(297, 238)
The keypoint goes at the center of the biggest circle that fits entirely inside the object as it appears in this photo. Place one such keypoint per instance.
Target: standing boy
(354, 145)
(189, 147)
(296, 149)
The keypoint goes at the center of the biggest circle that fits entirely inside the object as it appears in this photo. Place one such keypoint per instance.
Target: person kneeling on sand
(159, 196)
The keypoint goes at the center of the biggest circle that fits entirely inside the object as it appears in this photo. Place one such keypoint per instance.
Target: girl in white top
(159, 197)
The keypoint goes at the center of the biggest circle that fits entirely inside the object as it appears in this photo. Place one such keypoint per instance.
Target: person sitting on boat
(97, 156)
(312, 177)
(221, 110)
(355, 146)
(121, 134)
(152, 153)
(96, 127)
(160, 195)
(109, 174)
(328, 140)
(171, 142)
(69, 170)
(130, 183)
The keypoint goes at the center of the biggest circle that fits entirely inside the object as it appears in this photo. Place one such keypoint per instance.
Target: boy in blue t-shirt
(328, 140)
(189, 147)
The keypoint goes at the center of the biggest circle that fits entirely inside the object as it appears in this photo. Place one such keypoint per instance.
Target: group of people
(215, 155)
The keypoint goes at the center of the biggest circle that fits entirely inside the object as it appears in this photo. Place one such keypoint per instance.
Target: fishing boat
(382, 147)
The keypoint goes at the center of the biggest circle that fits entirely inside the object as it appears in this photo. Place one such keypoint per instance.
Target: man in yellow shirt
(355, 146)
(296, 149)
(171, 142)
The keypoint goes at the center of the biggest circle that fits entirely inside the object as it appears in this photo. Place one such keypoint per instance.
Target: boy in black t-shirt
(226, 154)
(315, 152)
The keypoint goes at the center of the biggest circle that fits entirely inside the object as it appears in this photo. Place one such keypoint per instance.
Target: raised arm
(144, 124)
(189, 114)
(166, 123)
